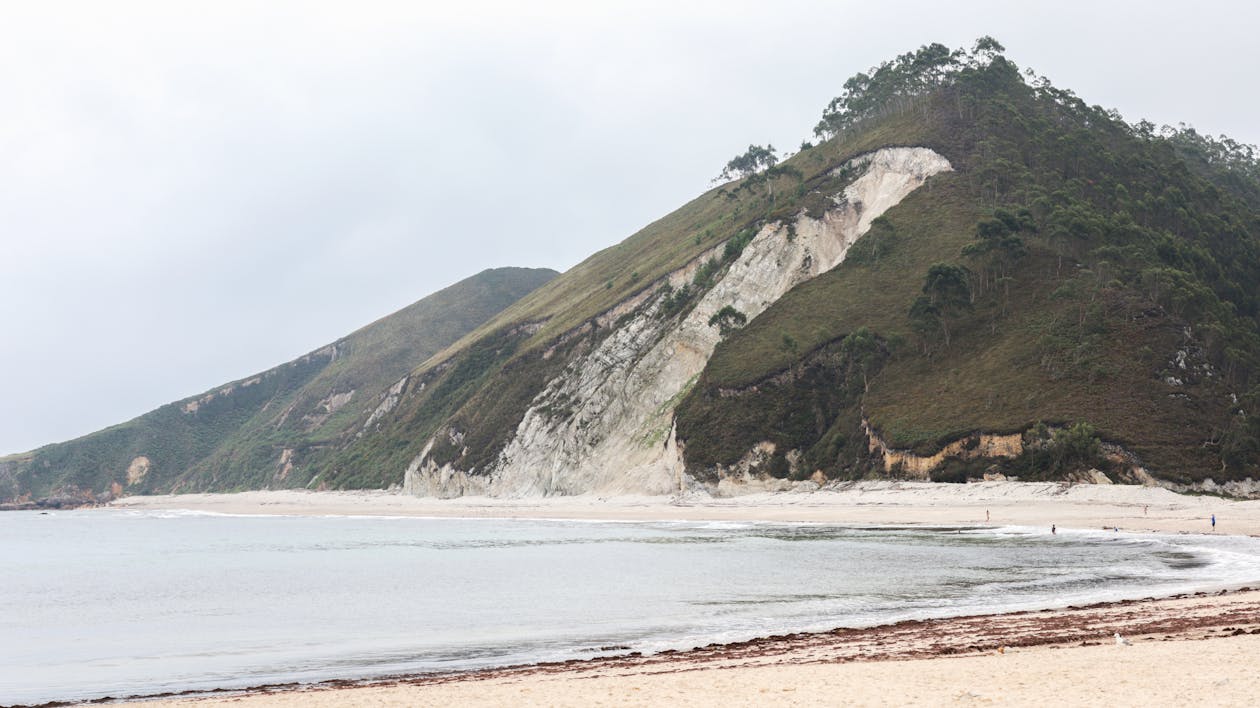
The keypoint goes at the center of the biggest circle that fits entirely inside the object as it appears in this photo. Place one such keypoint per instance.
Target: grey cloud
(189, 197)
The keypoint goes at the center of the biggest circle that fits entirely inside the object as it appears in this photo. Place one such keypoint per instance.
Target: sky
(194, 192)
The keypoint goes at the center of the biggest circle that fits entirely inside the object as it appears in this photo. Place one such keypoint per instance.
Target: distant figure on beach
(1053, 531)
(1145, 509)
(1213, 522)
(986, 514)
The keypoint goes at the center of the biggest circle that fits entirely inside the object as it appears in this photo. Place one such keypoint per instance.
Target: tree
(754, 160)
(986, 49)
(925, 319)
(1076, 447)
(946, 295)
(1240, 445)
(1055, 453)
(772, 173)
(891, 84)
(998, 247)
(728, 319)
(863, 350)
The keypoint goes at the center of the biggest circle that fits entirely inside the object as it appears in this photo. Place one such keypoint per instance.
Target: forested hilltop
(1087, 283)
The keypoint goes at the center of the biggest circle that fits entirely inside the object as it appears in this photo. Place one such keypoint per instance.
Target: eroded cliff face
(605, 424)
(1123, 466)
(912, 466)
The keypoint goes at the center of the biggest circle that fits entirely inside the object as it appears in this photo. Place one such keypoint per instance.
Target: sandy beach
(1129, 508)
(1187, 649)
(1181, 651)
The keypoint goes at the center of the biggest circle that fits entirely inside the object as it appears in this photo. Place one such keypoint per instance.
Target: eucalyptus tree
(754, 160)
(946, 296)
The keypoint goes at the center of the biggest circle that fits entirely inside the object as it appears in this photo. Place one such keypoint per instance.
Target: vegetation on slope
(234, 436)
(1110, 278)
(476, 392)
(1076, 277)
(708, 222)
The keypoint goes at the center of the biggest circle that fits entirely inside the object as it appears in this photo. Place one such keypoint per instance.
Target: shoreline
(1044, 637)
(1031, 504)
(1200, 630)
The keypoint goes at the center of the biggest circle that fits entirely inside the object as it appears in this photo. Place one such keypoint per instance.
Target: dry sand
(1202, 649)
(1130, 508)
(1175, 673)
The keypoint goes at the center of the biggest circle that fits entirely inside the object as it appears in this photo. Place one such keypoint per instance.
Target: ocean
(130, 603)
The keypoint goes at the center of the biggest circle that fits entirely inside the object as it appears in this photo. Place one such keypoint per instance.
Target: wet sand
(1198, 648)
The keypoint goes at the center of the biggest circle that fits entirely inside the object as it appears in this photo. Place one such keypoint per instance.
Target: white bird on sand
(1122, 641)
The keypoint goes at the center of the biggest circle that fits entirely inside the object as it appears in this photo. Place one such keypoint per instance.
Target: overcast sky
(193, 192)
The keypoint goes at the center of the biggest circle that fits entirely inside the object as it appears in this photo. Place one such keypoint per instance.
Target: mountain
(251, 433)
(973, 273)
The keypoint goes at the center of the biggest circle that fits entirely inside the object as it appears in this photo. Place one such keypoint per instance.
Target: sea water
(122, 603)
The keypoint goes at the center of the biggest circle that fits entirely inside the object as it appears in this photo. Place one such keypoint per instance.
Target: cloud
(193, 192)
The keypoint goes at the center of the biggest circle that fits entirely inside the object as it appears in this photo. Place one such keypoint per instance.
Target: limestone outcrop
(605, 423)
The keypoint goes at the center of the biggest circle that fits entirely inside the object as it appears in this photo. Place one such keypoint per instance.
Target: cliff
(791, 328)
(604, 423)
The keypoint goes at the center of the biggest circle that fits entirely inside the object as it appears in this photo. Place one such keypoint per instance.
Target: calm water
(116, 603)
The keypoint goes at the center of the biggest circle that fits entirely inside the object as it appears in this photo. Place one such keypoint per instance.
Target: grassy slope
(582, 292)
(482, 384)
(1097, 353)
(370, 360)
(932, 224)
(233, 441)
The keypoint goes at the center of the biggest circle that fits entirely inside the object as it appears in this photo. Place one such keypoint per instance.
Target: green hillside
(1109, 277)
(485, 382)
(1105, 288)
(235, 436)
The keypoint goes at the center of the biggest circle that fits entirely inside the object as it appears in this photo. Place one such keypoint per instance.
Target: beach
(1190, 648)
(1035, 504)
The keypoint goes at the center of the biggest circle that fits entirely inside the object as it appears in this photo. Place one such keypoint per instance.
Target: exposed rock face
(1125, 467)
(325, 408)
(138, 468)
(1242, 489)
(605, 424)
(748, 476)
(389, 399)
(912, 466)
(285, 465)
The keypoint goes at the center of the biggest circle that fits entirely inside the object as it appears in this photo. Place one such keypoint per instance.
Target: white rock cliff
(605, 424)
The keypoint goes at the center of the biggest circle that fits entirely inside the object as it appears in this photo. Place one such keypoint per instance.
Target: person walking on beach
(1053, 531)
(986, 514)
(1213, 522)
